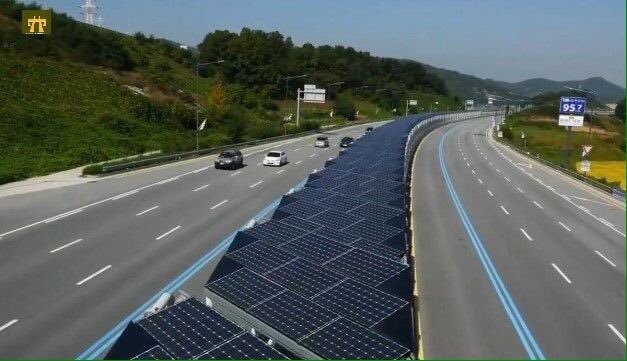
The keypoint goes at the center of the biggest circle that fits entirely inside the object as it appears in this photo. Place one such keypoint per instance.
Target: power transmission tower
(89, 11)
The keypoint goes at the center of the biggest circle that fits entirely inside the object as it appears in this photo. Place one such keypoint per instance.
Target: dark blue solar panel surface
(301, 223)
(344, 339)
(293, 315)
(365, 267)
(243, 347)
(335, 219)
(341, 203)
(245, 288)
(315, 248)
(335, 235)
(303, 209)
(305, 278)
(373, 230)
(155, 353)
(274, 232)
(311, 195)
(360, 303)
(376, 212)
(261, 257)
(189, 328)
(378, 249)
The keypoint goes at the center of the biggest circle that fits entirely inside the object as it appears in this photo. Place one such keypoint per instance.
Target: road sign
(584, 166)
(413, 102)
(571, 111)
(586, 150)
(522, 135)
(500, 134)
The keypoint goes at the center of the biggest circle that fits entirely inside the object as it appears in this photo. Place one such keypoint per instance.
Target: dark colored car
(230, 159)
(369, 129)
(346, 142)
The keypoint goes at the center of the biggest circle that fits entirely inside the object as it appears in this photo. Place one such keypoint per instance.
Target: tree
(345, 107)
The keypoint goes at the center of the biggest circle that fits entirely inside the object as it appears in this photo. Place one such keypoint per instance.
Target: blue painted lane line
(520, 326)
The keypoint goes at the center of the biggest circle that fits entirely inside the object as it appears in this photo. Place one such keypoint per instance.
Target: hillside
(607, 92)
(86, 94)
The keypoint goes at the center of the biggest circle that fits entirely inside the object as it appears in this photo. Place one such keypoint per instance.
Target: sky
(509, 40)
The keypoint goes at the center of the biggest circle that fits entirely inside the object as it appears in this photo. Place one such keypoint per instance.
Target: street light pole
(287, 81)
(198, 65)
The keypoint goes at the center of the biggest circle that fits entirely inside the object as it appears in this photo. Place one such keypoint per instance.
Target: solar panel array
(328, 271)
(190, 330)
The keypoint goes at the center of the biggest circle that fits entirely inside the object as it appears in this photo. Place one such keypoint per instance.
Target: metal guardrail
(177, 156)
(604, 187)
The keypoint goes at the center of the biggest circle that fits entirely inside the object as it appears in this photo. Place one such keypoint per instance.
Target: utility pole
(297, 107)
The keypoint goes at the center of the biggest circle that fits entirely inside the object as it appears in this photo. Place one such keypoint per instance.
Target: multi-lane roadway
(76, 261)
(514, 259)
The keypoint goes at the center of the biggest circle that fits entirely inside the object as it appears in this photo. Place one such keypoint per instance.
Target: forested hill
(261, 60)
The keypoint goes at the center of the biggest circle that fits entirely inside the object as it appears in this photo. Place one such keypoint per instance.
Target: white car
(275, 157)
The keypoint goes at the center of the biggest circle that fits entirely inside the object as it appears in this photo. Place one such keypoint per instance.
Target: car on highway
(322, 142)
(229, 159)
(369, 129)
(346, 142)
(275, 158)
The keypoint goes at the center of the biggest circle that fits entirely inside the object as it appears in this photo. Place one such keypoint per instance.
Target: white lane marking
(606, 222)
(260, 163)
(65, 245)
(550, 188)
(605, 258)
(256, 184)
(473, 171)
(507, 179)
(526, 235)
(490, 163)
(490, 193)
(93, 275)
(467, 164)
(498, 170)
(297, 149)
(281, 171)
(236, 173)
(313, 155)
(200, 188)
(124, 195)
(566, 198)
(485, 158)
(8, 324)
(565, 227)
(147, 210)
(520, 190)
(622, 338)
(480, 181)
(590, 200)
(200, 169)
(168, 180)
(219, 204)
(168, 232)
(504, 210)
(299, 162)
(62, 215)
(560, 272)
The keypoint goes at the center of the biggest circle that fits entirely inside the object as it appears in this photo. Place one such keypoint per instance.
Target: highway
(514, 259)
(75, 261)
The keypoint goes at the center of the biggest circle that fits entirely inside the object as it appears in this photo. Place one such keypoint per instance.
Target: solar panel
(324, 183)
(243, 347)
(344, 339)
(355, 178)
(304, 277)
(311, 195)
(334, 219)
(360, 303)
(293, 315)
(341, 203)
(335, 235)
(380, 196)
(303, 209)
(380, 184)
(274, 232)
(378, 249)
(315, 248)
(373, 230)
(261, 257)
(331, 173)
(350, 189)
(189, 328)
(365, 267)
(245, 288)
(376, 212)
(301, 223)
(154, 353)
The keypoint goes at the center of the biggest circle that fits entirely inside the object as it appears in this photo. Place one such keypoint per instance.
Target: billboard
(571, 111)
(313, 95)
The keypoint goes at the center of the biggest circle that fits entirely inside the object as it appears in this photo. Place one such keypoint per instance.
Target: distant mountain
(606, 91)
(470, 87)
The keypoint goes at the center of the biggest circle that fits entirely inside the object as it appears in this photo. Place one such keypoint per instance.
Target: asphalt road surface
(514, 259)
(75, 261)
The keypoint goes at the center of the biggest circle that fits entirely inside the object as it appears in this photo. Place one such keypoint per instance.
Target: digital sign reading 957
(571, 111)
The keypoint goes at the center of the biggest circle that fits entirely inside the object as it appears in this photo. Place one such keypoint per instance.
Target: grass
(547, 140)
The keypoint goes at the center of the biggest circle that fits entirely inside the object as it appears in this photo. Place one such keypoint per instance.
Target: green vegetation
(545, 139)
(86, 94)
